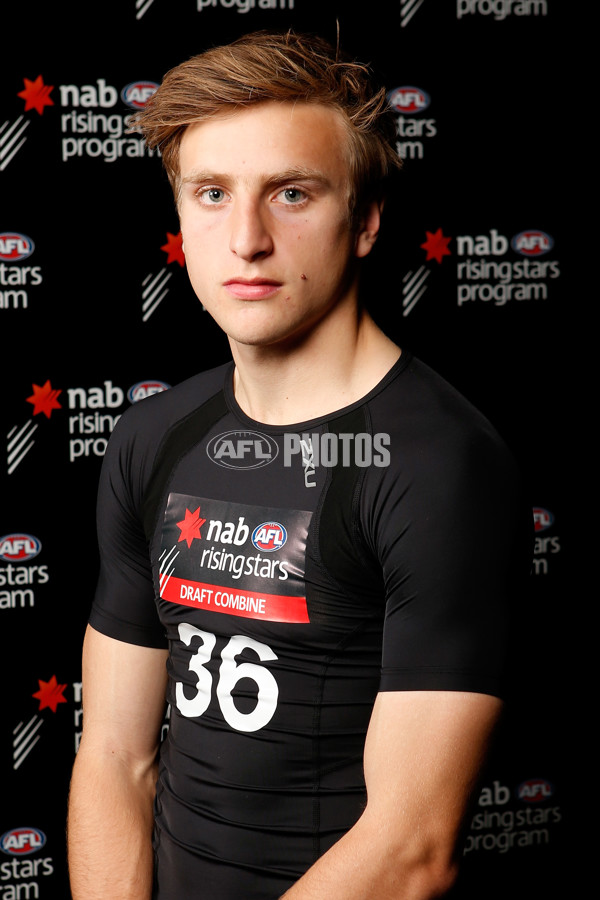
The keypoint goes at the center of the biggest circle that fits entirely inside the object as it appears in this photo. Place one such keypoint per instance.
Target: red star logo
(436, 245)
(44, 399)
(190, 526)
(174, 248)
(36, 94)
(50, 694)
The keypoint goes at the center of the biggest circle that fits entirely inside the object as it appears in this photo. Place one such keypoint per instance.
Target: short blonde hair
(287, 67)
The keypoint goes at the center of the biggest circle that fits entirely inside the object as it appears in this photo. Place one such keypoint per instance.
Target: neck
(335, 366)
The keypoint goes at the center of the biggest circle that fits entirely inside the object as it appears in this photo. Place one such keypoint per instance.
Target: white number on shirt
(230, 672)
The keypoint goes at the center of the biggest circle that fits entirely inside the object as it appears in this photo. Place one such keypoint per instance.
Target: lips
(252, 288)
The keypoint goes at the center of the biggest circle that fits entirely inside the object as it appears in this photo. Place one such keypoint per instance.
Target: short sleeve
(124, 604)
(452, 531)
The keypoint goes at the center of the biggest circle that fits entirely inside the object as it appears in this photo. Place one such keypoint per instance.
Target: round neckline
(239, 413)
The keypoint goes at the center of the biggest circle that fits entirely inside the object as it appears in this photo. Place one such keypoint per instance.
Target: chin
(256, 340)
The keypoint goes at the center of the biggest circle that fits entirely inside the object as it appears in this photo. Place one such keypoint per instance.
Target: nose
(250, 237)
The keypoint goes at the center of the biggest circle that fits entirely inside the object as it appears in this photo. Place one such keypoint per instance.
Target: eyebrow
(299, 173)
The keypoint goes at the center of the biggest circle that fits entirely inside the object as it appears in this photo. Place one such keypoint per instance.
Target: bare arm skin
(423, 755)
(113, 782)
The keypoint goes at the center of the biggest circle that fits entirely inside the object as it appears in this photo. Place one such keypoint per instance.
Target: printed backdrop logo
(138, 93)
(408, 100)
(50, 695)
(532, 243)
(21, 438)
(509, 820)
(94, 412)
(36, 95)
(413, 129)
(19, 547)
(546, 546)
(144, 389)
(244, 6)
(486, 273)
(240, 6)
(408, 8)
(414, 283)
(535, 790)
(14, 246)
(499, 10)
(22, 841)
(19, 578)
(44, 399)
(436, 245)
(16, 277)
(142, 7)
(96, 127)
(21, 875)
(154, 286)
(491, 268)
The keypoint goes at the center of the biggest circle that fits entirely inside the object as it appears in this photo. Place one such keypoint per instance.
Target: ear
(368, 228)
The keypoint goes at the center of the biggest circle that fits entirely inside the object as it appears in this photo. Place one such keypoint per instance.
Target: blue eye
(293, 195)
(210, 196)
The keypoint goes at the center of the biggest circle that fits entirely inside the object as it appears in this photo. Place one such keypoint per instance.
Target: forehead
(268, 136)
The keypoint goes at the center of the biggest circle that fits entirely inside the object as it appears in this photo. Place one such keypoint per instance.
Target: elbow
(430, 876)
(422, 870)
(436, 879)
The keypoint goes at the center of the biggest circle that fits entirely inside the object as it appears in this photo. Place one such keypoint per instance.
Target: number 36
(230, 672)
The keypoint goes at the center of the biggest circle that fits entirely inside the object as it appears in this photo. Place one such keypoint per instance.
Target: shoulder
(150, 419)
(427, 418)
(450, 478)
(141, 430)
(445, 456)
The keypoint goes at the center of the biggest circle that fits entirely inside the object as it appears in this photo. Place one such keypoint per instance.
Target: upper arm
(423, 755)
(450, 540)
(124, 688)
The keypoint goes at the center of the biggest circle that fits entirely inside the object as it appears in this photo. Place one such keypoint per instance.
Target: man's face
(265, 220)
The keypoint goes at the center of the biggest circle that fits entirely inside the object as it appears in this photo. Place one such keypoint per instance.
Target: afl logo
(19, 547)
(144, 389)
(15, 246)
(138, 93)
(409, 100)
(532, 243)
(269, 536)
(22, 841)
(242, 450)
(542, 519)
(535, 789)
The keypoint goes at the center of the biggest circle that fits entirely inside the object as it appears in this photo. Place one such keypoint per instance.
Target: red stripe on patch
(232, 602)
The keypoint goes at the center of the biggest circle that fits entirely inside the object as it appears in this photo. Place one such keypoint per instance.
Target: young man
(296, 547)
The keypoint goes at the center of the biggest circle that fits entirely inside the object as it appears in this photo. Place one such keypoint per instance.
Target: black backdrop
(474, 272)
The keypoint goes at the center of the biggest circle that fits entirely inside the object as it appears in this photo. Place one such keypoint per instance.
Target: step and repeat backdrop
(474, 272)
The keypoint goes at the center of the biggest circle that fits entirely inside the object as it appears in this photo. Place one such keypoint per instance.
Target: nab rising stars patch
(234, 558)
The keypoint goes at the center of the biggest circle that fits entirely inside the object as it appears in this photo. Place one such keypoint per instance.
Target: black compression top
(293, 572)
